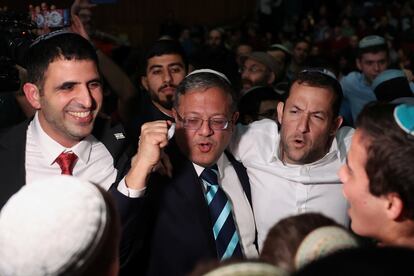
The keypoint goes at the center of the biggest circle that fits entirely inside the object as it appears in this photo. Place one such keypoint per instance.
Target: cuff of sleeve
(123, 189)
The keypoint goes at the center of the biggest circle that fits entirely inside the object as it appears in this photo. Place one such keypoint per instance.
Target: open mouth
(81, 116)
(205, 147)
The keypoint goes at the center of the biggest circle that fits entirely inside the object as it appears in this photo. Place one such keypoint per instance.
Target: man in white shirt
(293, 170)
(179, 227)
(65, 136)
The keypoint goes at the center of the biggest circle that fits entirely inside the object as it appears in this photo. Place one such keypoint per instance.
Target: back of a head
(285, 237)
(165, 47)
(249, 103)
(391, 84)
(390, 150)
(323, 78)
(56, 45)
(59, 226)
(363, 261)
(247, 268)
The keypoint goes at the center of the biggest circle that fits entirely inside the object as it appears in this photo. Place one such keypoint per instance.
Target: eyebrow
(66, 83)
(169, 65)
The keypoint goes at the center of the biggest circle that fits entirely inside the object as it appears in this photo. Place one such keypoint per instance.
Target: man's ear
(32, 95)
(280, 107)
(235, 117)
(358, 64)
(336, 124)
(144, 82)
(271, 78)
(395, 207)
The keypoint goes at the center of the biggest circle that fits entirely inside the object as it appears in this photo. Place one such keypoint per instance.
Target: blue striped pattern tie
(224, 229)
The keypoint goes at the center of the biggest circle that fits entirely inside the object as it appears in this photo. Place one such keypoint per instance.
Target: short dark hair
(372, 49)
(316, 77)
(390, 154)
(164, 47)
(204, 81)
(249, 103)
(56, 45)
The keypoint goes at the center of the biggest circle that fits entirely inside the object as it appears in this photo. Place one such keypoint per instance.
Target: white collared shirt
(280, 190)
(242, 211)
(94, 164)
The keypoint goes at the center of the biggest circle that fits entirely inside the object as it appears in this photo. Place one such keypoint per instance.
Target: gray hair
(204, 80)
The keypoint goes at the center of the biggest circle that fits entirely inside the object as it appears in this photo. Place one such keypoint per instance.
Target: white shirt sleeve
(132, 193)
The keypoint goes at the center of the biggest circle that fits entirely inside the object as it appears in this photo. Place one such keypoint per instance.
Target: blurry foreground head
(59, 226)
(298, 240)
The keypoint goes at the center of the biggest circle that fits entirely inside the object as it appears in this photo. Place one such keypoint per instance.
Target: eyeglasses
(194, 123)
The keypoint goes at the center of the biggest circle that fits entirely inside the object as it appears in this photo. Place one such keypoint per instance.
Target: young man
(379, 177)
(182, 224)
(164, 68)
(292, 169)
(65, 136)
(372, 59)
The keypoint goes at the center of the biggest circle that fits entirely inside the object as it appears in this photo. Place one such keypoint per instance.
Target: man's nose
(85, 97)
(205, 129)
(303, 125)
(167, 77)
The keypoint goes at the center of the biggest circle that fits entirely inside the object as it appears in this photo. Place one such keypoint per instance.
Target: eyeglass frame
(209, 120)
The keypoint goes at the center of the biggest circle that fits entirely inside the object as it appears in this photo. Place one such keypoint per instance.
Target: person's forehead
(374, 56)
(303, 91)
(302, 45)
(215, 34)
(215, 95)
(252, 62)
(165, 60)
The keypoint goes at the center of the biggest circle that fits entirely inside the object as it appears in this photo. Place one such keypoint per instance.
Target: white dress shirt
(242, 211)
(280, 190)
(94, 164)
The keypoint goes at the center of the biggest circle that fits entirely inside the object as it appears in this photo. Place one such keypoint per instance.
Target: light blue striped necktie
(224, 229)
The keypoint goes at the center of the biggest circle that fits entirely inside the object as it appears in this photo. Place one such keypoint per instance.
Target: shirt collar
(331, 154)
(222, 162)
(52, 149)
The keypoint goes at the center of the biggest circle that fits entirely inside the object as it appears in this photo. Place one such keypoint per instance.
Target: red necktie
(66, 161)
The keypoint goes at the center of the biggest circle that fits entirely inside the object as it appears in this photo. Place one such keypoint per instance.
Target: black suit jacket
(13, 147)
(172, 227)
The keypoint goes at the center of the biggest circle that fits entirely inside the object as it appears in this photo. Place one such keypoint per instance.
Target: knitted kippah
(404, 116)
(321, 242)
(51, 227)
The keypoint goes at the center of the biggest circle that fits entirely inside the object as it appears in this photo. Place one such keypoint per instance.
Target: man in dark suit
(176, 227)
(64, 137)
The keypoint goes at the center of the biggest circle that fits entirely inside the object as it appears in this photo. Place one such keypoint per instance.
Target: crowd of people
(230, 157)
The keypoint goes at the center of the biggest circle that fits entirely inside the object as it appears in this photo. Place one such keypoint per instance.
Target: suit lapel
(188, 184)
(12, 160)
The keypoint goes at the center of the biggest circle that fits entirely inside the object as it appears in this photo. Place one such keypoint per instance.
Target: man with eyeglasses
(259, 69)
(292, 169)
(203, 210)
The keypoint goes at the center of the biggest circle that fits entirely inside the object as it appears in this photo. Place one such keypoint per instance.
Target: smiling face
(69, 100)
(307, 124)
(204, 145)
(366, 210)
(163, 75)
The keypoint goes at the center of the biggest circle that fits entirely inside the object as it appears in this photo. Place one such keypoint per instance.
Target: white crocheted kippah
(321, 242)
(210, 71)
(51, 227)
